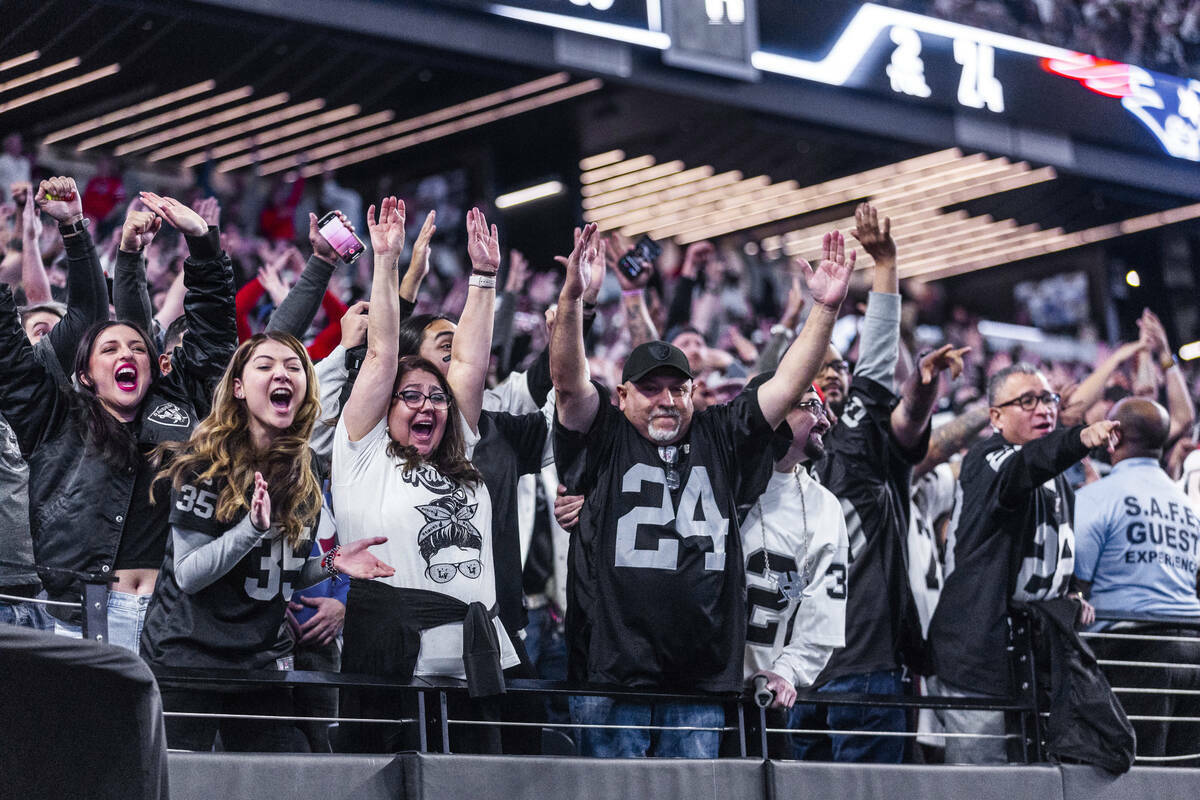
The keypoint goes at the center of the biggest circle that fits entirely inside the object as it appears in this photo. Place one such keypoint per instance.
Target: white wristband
(482, 281)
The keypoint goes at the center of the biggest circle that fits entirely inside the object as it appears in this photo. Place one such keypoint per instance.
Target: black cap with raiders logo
(650, 356)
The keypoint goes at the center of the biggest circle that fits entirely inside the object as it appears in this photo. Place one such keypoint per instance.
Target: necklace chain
(790, 589)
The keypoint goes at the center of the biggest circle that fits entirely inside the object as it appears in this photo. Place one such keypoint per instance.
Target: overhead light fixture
(1133, 279)
(201, 124)
(304, 142)
(612, 170)
(24, 58)
(275, 134)
(601, 159)
(1007, 330)
(635, 196)
(457, 126)
(59, 88)
(130, 111)
(418, 122)
(930, 199)
(141, 126)
(640, 175)
(38, 74)
(221, 134)
(529, 194)
(691, 199)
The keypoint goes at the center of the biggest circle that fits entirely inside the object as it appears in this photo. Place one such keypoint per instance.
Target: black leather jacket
(78, 503)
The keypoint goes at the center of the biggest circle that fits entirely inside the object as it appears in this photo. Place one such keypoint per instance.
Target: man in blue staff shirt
(1138, 545)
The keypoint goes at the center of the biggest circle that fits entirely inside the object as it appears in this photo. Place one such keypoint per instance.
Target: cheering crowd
(395, 492)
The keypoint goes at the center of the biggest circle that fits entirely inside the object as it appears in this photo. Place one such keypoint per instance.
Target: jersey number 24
(697, 496)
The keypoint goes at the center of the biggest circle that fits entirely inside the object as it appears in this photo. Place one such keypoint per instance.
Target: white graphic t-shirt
(439, 535)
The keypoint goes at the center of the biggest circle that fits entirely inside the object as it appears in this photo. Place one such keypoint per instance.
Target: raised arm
(472, 348)
(87, 292)
(372, 392)
(30, 400)
(577, 399)
(171, 307)
(295, 314)
(879, 349)
(1035, 462)
(783, 333)
(1092, 387)
(876, 240)
(827, 285)
(911, 415)
(506, 311)
(33, 271)
(332, 375)
(208, 304)
(633, 296)
(956, 434)
(418, 264)
(131, 296)
(1179, 400)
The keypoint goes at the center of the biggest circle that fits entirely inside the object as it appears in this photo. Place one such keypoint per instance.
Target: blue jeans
(27, 615)
(635, 742)
(857, 749)
(546, 645)
(126, 616)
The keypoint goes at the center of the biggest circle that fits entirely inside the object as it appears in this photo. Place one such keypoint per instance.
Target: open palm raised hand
(387, 235)
(483, 243)
(829, 282)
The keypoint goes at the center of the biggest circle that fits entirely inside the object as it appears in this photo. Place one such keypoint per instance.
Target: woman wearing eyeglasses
(401, 464)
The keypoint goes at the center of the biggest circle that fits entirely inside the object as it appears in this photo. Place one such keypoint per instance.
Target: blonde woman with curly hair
(245, 504)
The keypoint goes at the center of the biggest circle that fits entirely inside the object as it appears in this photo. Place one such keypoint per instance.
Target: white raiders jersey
(934, 495)
(796, 594)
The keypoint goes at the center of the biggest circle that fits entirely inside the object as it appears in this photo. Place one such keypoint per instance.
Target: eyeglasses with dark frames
(415, 399)
(1029, 401)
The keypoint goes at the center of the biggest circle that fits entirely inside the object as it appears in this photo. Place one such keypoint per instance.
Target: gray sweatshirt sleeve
(879, 347)
(299, 308)
(201, 560)
(332, 375)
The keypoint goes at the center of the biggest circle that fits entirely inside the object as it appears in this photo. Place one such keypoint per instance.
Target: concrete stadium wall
(219, 776)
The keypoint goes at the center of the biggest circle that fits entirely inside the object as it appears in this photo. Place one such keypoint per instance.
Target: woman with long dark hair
(88, 447)
(245, 505)
(401, 464)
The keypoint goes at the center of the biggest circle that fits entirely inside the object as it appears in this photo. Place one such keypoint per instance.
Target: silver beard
(664, 436)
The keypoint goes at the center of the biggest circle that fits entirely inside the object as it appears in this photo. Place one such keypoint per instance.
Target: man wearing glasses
(796, 550)
(1012, 542)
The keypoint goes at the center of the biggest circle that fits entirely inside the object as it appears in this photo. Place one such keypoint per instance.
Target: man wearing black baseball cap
(655, 392)
(657, 585)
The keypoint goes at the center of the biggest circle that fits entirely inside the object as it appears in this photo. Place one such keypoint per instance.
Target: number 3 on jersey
(697, 496)
(198, 502)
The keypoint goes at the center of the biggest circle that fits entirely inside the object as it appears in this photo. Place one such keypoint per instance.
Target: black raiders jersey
(234, 621)
(1013, 541)
(870, 474)
(657, 591)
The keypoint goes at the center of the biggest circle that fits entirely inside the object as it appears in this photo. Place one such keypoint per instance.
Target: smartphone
(348, 246)
(644, 251)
